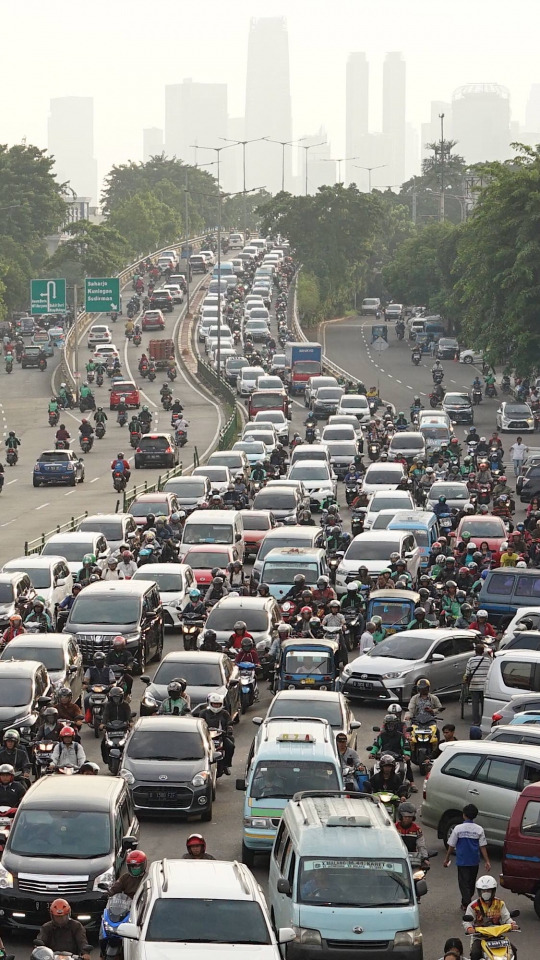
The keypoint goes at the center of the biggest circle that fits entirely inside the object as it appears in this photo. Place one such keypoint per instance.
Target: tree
(30, 193)
(309, 300)
(146, 223)
(426, 188)
(416, 273)
(97, 250)
(233, 210)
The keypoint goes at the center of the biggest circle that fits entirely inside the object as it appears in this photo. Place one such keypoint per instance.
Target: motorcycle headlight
(200, 779)
(128, 777)
(149, 700)
(108, 877)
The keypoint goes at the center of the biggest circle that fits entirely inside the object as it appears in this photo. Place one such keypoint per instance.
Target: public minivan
(291, 754)
(280, 567)
(346, 846)
(512, 672)
(506, 589)
(215, 526)
(64, 843)
(425, 526)
(293, 536)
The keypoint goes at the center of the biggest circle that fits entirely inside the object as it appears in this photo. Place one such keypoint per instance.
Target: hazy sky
(123, 52)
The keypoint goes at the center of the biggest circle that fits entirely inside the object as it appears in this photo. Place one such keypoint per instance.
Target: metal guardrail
(145, 487)
(36, 546)
(228, 435)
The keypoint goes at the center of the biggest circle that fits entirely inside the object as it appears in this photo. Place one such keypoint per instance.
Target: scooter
(122, 419)
(350, 628)
(99, 380)
(180, 438)
(134, 439)
(219, 753)
(248, 685)
(424, 739)
(86, 444)
(415, 358)
(119, 481)
(151, 374)
(166, 402)
(374, 449)
(357, 521)
(172, 373)
(97, 701)
(137, 339)
(42, 365)
(42, 756)
(116, 912)
(494, 943)
(190, 632)
(491, 390)
(115, 741)
(477, 396)
(11, 457)
(351, 492)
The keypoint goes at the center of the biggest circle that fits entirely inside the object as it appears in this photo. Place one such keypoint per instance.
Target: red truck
(160, 351)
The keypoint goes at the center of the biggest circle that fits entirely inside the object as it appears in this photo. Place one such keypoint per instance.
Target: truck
(304, 360)
(160, 351)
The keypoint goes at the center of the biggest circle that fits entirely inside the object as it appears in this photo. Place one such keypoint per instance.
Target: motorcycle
(122, 419)
(166, 402)
(477, 396)
(484, 494)
(191, 628)
(9, 366)
(374, 449)
(99, 380)
(116, 912)
(434, 400)
(248, 685)
(438, 377)
(42, 365)
(11, 457)
(390, 802)
(97, 701)
(219, 753)
(134, 438)
(491, 390)
(87, 403)
(86, 444)
(354, 779)
(351, 492)
(100, 430)
(357, 521)
(115, 741)
(415, 358)
(61, 445)
(90, 376)
(180, 438)
(172, 373)
(424, 739)
(494, 943)
(42, 756)
(137, 339)
(143, 370)
(312, 435)
(151, 374)
(350, 628)
(333, 563)
(506, 386)
(119, 481)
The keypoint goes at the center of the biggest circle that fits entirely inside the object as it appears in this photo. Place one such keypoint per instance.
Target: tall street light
(186, 228)
(216, 150)
(243, 144)
(284, 143)
(310, 147)
(339, 161)
(379, 167)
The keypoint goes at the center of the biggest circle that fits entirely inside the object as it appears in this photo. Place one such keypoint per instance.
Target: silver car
(456, 493)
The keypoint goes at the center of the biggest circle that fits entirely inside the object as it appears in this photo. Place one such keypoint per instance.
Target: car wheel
(206, 816)
(35, 482)
(73, 481)
(467, 359)
(248, 856)
(451, 821)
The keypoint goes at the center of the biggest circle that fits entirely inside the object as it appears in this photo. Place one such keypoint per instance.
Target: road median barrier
(36, 546)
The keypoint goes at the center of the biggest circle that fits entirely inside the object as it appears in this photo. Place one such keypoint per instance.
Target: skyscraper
(195, 113)
(481, 122)
(356, 111)
(268, 102)
(152, 143)
(394, 106)
(71, 142)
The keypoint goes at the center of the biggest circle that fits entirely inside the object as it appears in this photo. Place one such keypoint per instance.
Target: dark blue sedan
(58, 466)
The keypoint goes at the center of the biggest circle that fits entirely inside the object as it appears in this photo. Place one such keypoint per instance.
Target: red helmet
(136, 862)
(67, 732)
(196, 840)
(119, 642)
(464, 571)
(306, 610)
(60, 908)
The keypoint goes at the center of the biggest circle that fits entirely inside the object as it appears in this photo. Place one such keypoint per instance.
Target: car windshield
(54, 456)
(283, 778)
(166, 745)
(329, 393)
(154, 443)
(355, 883)
(224, 618)
(233, 365)
(311, 664)
(196, 674)
(72, 550)
(193, 488)
(231, 460)
(6, 593)
(402, 647)
(208, 533)
(52, 658)
(255, 523)
(214, 474)
(141, 508)
(15, 692)
(304, 706)
(434, 431)
(407, 443)
(380, 475)
(267, 400)
(205, 560)
(387, 503)
(167, 582)
(186, 921)
(371, 549)
(278, 572)
(302, 472)
(111, 529)
(382, 520)
(484, 528)
(457, 400)
(517, 410)
(61, 834)
(354, 402)
(452, 491)
(40, 576)
(105, 611)
(275, 500)
(252, 447)
(345, 449)
(392, 614)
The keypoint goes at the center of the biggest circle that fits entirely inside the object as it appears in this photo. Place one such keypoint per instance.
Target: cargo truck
(304, 360)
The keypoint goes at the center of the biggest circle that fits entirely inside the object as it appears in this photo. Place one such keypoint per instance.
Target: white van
(215, 526)
(511, 673)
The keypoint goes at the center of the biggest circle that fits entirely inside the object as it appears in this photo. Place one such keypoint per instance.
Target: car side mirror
(72, 669)
(436, 658)
(240, 784)
(286, 935)
(129, 931)
(355, 724)
(61, 582)
(257, 721)
(283, 886)
(376, 729)
(129, 843)
(421, 888)
(146, 680)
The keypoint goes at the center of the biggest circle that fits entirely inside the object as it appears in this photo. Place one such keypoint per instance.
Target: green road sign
(47, 296)
(102, 294)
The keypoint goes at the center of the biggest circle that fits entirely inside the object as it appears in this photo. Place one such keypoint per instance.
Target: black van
(69, 835)
(131, 608)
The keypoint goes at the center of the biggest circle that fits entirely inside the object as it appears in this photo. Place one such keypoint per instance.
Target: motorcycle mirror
(470, 919)
(376, 729)
(514, 913)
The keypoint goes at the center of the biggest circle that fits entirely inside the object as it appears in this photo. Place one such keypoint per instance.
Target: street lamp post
(339, 161)
(243, 144)
(369, 169)
(284, 143)
(310, 147)
(441, 213)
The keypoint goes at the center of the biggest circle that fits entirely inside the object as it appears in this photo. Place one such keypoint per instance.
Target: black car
(447, 348)
(528, 485)
(157, 450)
(169, 766)
(459, 408)
(162, 300)
(32, 356)
(22, 683)
(204, 673)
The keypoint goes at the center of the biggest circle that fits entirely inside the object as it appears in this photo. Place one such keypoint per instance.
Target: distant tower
(356, 111)
(481, 122)
(394, 107)
(268, 103)
(152, 143)
(71, 142)
(194, 113)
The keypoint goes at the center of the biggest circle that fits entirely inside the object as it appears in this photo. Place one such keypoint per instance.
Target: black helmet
(419, 613)
(247, 644)
(176, 688)
(99, 658)
(210, 635)
(116, 694)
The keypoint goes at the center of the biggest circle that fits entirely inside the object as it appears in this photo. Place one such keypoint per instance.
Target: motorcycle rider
(194, 608)
(487, 910)
(50, 726)
(121, 465)
(237, 577)
(423, 701)
(98, 675)
(178, 702)
(482, 625)
(62, 934)
(323, 592)
(116, 708)
(134, 425)
(68, 712)
(163, 530)
(258, 474)
(11, 792)
(52, 406)
(501, 488)
(176, 409)
(121, 409)
(353, 475)
(88, 569)
(40, 616)
(180, 427)
(196, 848)
(129, 883)
(111, 571)
(231, 497)
(248, 654)
(437, 368)
(210, 641)
(13, 753)
(240, 633)
(62, 435)
(387, 780)
(12, 441)
(217, 589)
(15, 629)
(120, 657)
(298, 586)
(401, 420)
(87, 395)
(127, 565)
(67, 751)
(145, 417)
(411, 833)
(218, 718)
(86, 431)
(347, 756)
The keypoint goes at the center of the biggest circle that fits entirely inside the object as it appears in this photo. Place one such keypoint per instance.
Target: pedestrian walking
(517, 452)
(476, 673)
(367, 639)
(468, 841)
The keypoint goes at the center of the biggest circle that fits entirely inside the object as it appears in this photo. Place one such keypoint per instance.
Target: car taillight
(138, 450)
(168, 450)
(496, 717)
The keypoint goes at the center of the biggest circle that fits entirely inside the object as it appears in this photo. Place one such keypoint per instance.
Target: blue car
(58, 466)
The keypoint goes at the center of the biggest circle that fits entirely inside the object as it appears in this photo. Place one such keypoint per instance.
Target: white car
(254, 450)
(382, 476)
(174, 581)
(372, 550)
(247, 380)
(387, 500)
(355, 404)
(258, 330)
(515, 417)
(50, 576)
(278, 420)
(99, 333)
(211, 345)
(175, 291)
(106, 351)
(516, 625)
(340, 431)
(74, 545)
(270, 383)
(318, 479)
(471, 356)
(340, 419)
(225, 354)
(267, 436)
(208, 255)
(219, 477)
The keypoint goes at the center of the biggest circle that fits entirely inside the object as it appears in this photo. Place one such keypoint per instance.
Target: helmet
(283, 628)
(353, 586)
(423, 684)
(389, 719)
(136, 862)
(67, 732)
(502, 478)
(50, 714)
(112, 561)
(176, 688)
(99, 658)
(387, 760)
(120, 456)
(305, 610)
(419, 612)
(263, 589)
(89, 767)
(486, 887)
(240, 625)
(451, 561)
(194, 594)
(451, 585)
(210, 635)
(407, 809)
(42, 953)
(88, 559)
(215, 702)
(442, 499)
(247, 644)
(423, 593)
(116, 694)
(6, 770)
(15, 618)
(299, 578)
(127, 556)
(482, 614)
(440, 558)
(65, 693)
(196, 840)
(323, 582)
(394, 556)
(396, 709)
(521, 564)
(60, 908)
(466, 609)
(12, 735)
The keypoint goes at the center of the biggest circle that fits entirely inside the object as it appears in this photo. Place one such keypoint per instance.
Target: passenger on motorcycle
(218, 718)
(240, 632)
(119, 657)
(411, 832)
(217, 589)
(40, 616)
(387, 780)
(323, 592)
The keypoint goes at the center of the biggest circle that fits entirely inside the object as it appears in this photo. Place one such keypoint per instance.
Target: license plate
(309, 680)
(362, 685)
(163, 795)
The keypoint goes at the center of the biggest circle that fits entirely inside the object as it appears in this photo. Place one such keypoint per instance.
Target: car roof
(187, 656)
(441, 634)
(122, 587)
(153, 497)
(20, 668)
(208, 547)
(106, 516)
(204, 880)
(379, 535)
(331, 695)
(44, 640)
(520, 728)
(294, 553)
(349, 819)
(471, 746)
(246, 603)
(393, 594)
(168, 722)
(95, 792)
(88, 535)
(162, 568)
(34, 561)
(386, 465)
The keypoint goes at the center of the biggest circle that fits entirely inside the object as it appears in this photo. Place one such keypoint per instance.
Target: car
(338, 432)
(117, 528)
(459, 407)
(326, 402)
(471, 356)
(260, 614)
(59, 654)
(393, 311)
(528, 483)
(99, 333)
(314, 384)
(126, 389)
(515, 417)
(284, 501)
(340, 419)
(455, 491)
(178, 908)
(174, 581)
(22, 683)
(318, 479)
(210, 256)
(384, 518)
(354, 404)
(220, 477)
(516, 624)
(157, 449)
(205, 557)
(50, 577)
(436, 429)
(254, 450)
(58, 466)
(372, 550)
(266, 436)
(382, 476)
(257, 523)
(153, 320)
(162, 300)
(31, 356)
(178, 750)
(327, 704)
(74, 545)
(342, 454)
(198, 263)
(235, 460)
(106, 352)
(371, 306)
(270, 383)
(287, 536)
(16, 596)
(247, 380)
(447, 348)
(390, 670)
(162, 504)
(233, 366)
(278, 364)
(204, 673)
(408, 444)
(257, 329)
(278, 420)
(190, 492)
(387, 500)
(519, 731)
(489, 528)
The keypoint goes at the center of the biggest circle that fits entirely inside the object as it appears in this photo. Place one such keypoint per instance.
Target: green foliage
(232, 214)
(146, 222)
(309, 300)
(93, 250)
(428, 186)
(415, 274)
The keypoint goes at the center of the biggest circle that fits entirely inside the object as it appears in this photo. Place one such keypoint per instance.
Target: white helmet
(395, 708)
(486, 887)
(215, 702)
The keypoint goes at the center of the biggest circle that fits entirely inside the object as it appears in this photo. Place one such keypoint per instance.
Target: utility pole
(283, 144)
(441, 209)
(243, 144)
(186, 218)
(76, 338)
(414, 204)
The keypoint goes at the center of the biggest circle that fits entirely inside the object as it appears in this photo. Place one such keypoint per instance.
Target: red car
(153, 320)
(160, 504)
(203, 557)
(127, 389)
(484, 527)
(257, 524)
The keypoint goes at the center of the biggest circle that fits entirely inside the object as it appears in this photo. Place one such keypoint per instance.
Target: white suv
(98, 333)
(186, 908)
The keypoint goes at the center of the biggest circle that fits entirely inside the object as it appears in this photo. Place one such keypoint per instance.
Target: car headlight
(264, 823)
(307, 935)
(200, 779)
(395, 675)
(128, 777)
(150, 700)
(408, 938)
(347, 671)
(6, 878)
(108, 877)
(132, 636)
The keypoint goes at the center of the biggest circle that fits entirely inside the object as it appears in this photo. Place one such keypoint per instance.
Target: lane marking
(12, 481)
(7, 523)
(398, 381)
(95, 479)
(69, 493)
(43, 505)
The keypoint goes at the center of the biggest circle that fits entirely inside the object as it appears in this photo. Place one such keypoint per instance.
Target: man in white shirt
(366, 640)
(111, 571)
(517, 452)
